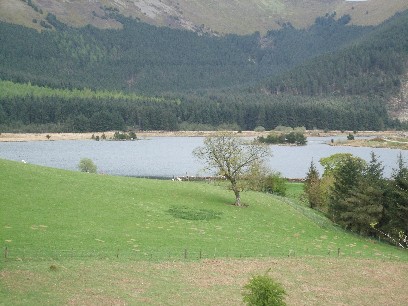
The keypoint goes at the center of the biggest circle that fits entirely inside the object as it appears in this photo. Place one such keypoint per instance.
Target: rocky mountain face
(222, 16)
(398, 104)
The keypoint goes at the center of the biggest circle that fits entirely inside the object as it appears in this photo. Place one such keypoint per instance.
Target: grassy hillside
(114, 241)
(222, 16)
(48, 213)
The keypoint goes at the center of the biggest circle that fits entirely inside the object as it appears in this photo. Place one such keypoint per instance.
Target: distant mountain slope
(141, 57)
(376, 66)
(223, 16)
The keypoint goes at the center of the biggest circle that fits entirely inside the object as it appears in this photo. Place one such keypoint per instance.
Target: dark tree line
(62, 113)
(355, 195)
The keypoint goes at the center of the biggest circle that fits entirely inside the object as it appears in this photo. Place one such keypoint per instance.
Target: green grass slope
(55, 214)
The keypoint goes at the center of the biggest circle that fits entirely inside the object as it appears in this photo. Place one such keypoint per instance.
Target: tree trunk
(236, 191)
(237, 198)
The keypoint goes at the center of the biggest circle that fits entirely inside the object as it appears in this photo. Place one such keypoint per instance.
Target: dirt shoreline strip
(19, 137)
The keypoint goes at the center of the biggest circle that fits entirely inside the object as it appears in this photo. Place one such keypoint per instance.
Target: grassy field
(114, 240)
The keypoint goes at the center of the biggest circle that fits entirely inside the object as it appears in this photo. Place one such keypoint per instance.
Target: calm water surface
(172, 156)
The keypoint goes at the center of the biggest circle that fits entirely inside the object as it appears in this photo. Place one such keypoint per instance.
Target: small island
(292, 138)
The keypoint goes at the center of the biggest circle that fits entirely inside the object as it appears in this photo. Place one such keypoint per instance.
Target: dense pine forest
(332, 76)
(372, 67)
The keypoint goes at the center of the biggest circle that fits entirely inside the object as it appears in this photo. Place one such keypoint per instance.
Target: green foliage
(262, 290)
(297, 138)
(230, 157)
(346, 178)
(312, 186)
(32, 109)
(332, 163)
(275, 183)
(87, 165)
(355, 195)
(396, 208)
(259, 129)
(124, 136)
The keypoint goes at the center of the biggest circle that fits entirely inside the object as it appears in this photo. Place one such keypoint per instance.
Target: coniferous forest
(332, 75)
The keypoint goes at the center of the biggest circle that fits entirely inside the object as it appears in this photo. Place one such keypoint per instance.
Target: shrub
(259, 129)
(262, 290)
(282, 128)
(87, 165)
(124, 136)
(275, 183)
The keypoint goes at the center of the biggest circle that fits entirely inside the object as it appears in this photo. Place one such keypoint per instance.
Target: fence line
(184, 254)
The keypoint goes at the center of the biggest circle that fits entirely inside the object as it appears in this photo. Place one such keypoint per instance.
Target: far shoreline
(23, 137)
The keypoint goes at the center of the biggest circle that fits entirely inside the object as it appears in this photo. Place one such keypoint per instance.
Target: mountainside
(375, 66)
(331, 75)
(222, 16)
(141, 57)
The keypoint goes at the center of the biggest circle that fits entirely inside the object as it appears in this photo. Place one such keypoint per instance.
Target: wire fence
(184, 254)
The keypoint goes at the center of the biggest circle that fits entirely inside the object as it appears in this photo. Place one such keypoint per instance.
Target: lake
(172, 156)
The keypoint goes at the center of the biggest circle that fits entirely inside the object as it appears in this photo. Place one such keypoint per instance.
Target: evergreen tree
(312, 186)
(365, 204)
(362, 208)
(346, 177)
(396, 217)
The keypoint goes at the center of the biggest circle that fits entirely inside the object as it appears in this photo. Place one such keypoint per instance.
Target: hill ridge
(222, 16)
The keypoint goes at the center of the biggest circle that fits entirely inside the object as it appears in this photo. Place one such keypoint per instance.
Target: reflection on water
(172, 156)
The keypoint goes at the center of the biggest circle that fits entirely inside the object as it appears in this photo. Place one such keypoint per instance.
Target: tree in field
(364, 206)
(365, 203)
(231, 158)
(260, 178)
(395, 225)
(312, 186)
(347, 175)
(333, 162)
(87, 165)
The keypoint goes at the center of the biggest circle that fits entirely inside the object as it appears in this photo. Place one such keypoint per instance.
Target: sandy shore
(14, 137)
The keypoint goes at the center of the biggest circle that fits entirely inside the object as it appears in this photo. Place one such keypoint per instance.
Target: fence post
(5, 252)
(185, 253)
(338, 252)
(200, 254)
